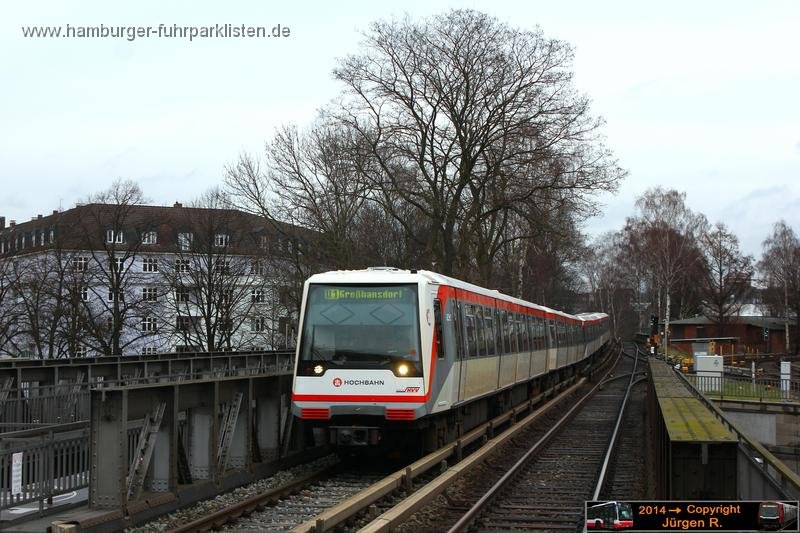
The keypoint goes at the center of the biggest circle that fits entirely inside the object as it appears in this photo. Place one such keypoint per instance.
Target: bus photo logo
(337, 382)
(409, 389)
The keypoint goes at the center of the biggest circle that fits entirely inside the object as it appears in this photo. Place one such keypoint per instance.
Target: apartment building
(138, 279)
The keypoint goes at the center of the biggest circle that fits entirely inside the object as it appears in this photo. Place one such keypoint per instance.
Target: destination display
(692, 515)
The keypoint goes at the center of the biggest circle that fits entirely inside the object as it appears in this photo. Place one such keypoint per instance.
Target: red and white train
(405, 358)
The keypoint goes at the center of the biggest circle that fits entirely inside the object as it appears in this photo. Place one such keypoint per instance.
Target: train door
(442, 382)
(463, 353)
(452, 350)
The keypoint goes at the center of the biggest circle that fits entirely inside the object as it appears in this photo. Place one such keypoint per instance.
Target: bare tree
(664, 236)
(780, 267)
(9, 309)
(39, 304)
(217, 284)
(112, 234)
(467, 120)
(726, 275)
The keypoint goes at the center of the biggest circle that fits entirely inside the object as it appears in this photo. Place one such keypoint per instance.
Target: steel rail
(348, 508)
(360, 501)
(252, 504)
(601, 479)
(423, 496)
(403, 478)
(466, 520)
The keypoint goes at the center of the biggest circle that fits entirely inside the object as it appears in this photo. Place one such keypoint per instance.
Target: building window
(222, 239)
(80, 351)
(150, 294)
(118, 264)
(181, 295)
(181, 266)
(149, 264)
(52, 236)
(80, 264)
(41, 238)
(185, 240)
(263, 242)
(184, 323)
(257, 296)
(226, 298)
(149, 324)
(258, 324)
(115, 236)
(223, 266)
(85, 294)
(112, 295)
(149, 237)
(149, 350)
(258, 268)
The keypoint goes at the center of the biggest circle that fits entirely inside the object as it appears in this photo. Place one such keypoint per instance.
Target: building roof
(84, 227)
(757, 321)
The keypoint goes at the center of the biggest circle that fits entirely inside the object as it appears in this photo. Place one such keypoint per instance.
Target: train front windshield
(625, 511)
(361, 326)
(769, 510)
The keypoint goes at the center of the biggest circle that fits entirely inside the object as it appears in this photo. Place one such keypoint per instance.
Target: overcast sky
(699, 96)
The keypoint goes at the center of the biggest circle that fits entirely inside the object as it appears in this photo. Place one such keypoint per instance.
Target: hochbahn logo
(409, 389)
(338, 382)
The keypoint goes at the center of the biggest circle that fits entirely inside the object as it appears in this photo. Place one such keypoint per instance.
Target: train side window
(523, 334)
(512, 319)
(526, 342)
(479, 329)
(507, 332)
(502, 344)
(469, 330)
(489, 330)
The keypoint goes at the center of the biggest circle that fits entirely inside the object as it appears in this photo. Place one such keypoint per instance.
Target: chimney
(12, 223)
(178, 204)
(38, 217)
(2, 222)
(55, 211)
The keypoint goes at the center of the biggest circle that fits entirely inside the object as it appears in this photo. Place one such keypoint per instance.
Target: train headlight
(318, 369)
(402, 369)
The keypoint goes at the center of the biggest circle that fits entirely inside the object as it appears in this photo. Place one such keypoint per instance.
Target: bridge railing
(740, 387)
(36, 406)
(40, 465)
(773, 470)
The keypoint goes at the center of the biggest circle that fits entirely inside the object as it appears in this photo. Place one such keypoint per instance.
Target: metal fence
(35, 406)
(38, 463)
(739, 387)
(36, 468)
(32, 407)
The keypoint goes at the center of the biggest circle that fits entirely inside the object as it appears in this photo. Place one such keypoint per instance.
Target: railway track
(545, 490)
(351, 499)
(526, 487)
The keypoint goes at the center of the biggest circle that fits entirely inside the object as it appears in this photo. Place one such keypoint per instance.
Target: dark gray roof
(757, 321)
